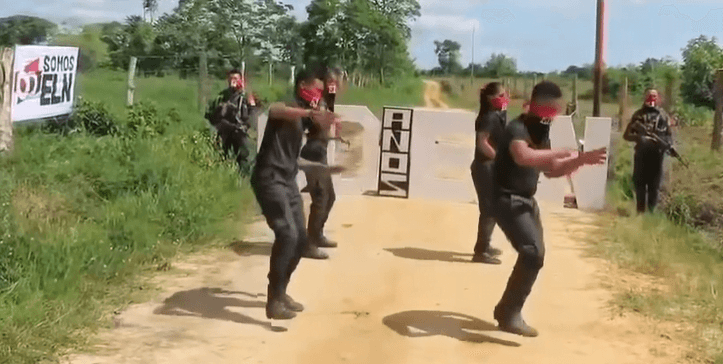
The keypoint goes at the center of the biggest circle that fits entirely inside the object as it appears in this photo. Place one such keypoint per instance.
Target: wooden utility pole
(6, 122)
(597, 90)
(131, 80)
(202, 77)
(718, 118)
(623, 111)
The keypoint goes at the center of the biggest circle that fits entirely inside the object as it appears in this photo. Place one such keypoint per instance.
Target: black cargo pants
(519, 219)
(647, 176)
(283, 209)
(483, 185)
(321, 189)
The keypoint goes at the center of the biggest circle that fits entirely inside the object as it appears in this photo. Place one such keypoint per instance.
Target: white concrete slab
(591, 181)
(443, 142)
(562, 135)
(363, 152)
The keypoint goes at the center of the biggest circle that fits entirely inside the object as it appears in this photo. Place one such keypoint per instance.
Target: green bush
(691, 115)
(92, 117)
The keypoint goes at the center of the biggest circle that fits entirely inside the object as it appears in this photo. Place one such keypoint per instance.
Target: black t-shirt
(281, 144)
(317, 141)
(510, 177)
(492, 122)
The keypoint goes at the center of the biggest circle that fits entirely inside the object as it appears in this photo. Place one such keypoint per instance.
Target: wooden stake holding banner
(718, 117)
(6, 123)
(131, 80)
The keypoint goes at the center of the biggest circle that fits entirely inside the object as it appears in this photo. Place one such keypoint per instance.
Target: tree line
(695, 75)
(367, 38)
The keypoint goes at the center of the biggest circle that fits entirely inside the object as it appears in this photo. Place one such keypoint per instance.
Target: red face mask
(545, 112)
(238, 84)
(500, 102)
(312, 96)
(651, 100)
(331, 87)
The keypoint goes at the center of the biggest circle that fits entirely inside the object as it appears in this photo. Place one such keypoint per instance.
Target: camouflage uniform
(231, 114)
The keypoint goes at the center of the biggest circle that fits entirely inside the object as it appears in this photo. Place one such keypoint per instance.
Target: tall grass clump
(86, 206)
(680, 244)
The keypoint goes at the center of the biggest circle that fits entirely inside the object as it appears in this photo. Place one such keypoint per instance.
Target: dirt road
(398, 290)
(433, 95)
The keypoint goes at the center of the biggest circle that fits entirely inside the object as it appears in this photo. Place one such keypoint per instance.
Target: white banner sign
(43, 81)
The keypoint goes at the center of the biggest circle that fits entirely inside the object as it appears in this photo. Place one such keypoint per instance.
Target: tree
(399, 12)
(150, 7)
(500, 65)
(448, 55)
(24, 30)
(701, 57)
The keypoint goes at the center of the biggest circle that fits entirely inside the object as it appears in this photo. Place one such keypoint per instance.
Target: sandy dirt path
(399, 289)
(433, 95)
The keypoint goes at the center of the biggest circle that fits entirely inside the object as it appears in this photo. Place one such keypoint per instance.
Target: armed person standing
(650, 131)
(230, 113)
(320, 185)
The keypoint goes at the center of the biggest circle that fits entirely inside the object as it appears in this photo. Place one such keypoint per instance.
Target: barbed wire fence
(205, 69)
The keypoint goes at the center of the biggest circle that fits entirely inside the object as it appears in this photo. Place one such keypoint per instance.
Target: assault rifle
(667, 147)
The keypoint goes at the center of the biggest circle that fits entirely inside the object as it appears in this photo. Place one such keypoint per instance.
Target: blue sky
(542, 35)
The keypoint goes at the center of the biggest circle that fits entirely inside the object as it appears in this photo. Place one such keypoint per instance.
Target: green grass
(672, 244)
(84, 218)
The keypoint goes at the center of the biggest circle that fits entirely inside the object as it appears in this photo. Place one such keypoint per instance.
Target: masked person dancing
(489, 126)
(320, 185)
(274, 183)
(524, 151)
(649, 154)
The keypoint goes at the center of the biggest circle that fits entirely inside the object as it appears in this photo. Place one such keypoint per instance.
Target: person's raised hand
(323, 118)
(594, 157)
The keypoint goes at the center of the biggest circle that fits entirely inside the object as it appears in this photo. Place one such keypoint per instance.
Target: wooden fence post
(623, 110)
(6, 122)
(131, 80)
(271, 73)
(718, 118)
(202, 77)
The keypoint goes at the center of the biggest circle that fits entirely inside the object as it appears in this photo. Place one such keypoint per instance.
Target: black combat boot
(292, 305)
(508, 311)
(494, 251)
(510, 320)
(323, 242)
(276, 308)
(313, 252)
(486, 258)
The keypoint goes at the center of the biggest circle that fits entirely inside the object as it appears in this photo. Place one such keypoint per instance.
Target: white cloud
(454, 23)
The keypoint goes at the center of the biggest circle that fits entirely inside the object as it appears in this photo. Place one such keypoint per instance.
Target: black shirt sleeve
(518, 131)
(485, 122)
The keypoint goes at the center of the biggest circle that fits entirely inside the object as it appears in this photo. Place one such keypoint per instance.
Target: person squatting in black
(230, 113)
(320, 185)
(524, 151)
(273, 181)
(649, 154)
(489, 126)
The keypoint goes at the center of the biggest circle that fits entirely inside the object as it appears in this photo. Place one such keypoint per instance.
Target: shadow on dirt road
(451, 324)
